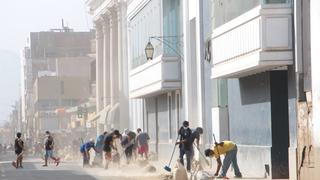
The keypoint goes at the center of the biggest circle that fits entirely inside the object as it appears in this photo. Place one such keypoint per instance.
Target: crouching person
(109, 145)
(85, 151)
(229, 149)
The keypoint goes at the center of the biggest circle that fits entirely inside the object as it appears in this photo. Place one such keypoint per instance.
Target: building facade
(253, 54)
(44, 55)
(244, 70)
(111, 64)
(155, 85)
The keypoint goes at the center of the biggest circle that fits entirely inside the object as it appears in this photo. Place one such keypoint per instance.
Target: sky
(17, 19)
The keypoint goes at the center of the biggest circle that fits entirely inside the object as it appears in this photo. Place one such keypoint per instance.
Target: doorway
(280, 124)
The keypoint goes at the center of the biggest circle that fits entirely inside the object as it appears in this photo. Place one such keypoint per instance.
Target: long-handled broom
(167, 168)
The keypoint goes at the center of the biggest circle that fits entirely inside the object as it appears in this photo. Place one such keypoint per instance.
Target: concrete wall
(51, 87)
(250, 122)
(74, 67)
(249, 110)
(60, 44)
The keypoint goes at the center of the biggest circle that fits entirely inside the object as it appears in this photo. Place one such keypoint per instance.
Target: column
(106, 62)
(114, 57)
(315, 64)
(99, 66)
(122, 67)
(120, 49)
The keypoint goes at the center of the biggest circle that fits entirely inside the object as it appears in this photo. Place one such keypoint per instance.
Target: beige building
(52, 93)
(45, 54)
(111, 63)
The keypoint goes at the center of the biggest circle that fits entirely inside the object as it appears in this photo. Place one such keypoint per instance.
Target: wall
(250, 121)
(60, 44)
(74, 67)
(249, 110)
(315, 64)
(51, 87)
(145, 23)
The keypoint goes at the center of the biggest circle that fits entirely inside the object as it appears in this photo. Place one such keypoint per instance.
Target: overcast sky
(20, 17)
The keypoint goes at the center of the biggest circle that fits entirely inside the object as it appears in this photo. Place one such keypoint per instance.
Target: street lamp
(149, 50)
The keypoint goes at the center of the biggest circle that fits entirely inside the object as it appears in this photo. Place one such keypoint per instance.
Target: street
(33, 170)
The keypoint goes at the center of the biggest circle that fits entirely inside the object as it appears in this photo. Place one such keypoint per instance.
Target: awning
(94, 118)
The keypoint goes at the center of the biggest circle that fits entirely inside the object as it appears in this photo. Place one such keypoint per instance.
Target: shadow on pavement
(48, 175)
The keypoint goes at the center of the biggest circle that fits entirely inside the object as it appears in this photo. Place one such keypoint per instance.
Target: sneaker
(14, 164)
(45, 165)
(57, 162)
(238, 176)
(222, 177)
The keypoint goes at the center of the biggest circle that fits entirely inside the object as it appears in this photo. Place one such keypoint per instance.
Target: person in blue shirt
(85, 151)
(99, 147)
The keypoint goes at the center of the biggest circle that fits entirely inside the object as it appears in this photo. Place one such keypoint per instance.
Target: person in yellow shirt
(229, 149)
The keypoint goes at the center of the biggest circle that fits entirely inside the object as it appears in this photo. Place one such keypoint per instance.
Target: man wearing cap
(85, 151)
(229, 149)
(185, 149)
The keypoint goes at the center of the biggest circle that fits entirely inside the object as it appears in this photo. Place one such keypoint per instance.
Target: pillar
(106, 62)
(99, 66)
(114, 58)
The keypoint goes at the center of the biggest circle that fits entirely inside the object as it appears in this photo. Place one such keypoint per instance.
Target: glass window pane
(226, 10)
(275, 1)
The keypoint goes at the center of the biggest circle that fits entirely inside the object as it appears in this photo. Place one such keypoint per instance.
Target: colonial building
(155, 85)
(111, 64)
(253, 53)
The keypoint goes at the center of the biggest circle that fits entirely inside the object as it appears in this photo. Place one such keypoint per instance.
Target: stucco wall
(249, 110)
(250, 122)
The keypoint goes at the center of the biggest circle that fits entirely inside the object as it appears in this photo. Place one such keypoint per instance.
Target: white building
(155, 86)
(111, 63)
(175, 85)
(253, 53)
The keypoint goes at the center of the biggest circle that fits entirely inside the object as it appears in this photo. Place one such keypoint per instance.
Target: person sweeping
(229, 149)
(85, 151)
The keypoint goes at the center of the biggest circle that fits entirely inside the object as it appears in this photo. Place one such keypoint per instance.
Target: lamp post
(149, 49)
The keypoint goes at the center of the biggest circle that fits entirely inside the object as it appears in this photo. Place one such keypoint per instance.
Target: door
(280, 124)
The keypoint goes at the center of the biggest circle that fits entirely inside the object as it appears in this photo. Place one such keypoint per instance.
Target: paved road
(33, 170)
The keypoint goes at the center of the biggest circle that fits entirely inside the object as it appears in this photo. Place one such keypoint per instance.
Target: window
(226, 10)
(149, 17)
(220, 89)
(276, 1)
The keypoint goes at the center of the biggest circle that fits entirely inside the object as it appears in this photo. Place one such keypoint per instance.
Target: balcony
(257, 41)
(155, 77)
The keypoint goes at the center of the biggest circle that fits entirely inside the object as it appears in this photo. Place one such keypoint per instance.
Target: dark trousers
(86, 159)
(128, 152)
(188, 154)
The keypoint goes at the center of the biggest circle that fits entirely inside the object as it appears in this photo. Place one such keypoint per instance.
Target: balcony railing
(257, 41)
